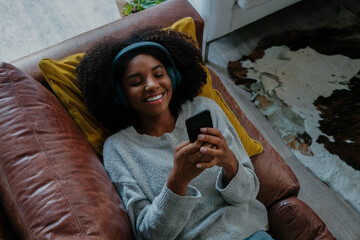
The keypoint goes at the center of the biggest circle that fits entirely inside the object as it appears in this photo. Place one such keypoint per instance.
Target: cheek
(171, 93)
(169, 86)
(132, 94)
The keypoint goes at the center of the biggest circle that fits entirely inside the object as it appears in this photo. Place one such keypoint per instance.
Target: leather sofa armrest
(291, 218)
(162, 15)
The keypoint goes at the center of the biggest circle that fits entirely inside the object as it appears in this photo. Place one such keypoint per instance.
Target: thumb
(182, 145)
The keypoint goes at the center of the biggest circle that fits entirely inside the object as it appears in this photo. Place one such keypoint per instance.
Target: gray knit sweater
(139, 166)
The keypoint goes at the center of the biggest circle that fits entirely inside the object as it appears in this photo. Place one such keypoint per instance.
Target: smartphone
(194, 123)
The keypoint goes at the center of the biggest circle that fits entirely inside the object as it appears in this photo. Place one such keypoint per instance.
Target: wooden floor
(342, 220)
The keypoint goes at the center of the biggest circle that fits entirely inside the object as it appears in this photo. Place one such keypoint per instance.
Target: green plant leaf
(140, 5)
(127, 9)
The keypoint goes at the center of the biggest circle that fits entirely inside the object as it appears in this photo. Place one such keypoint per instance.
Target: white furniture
(224, 16)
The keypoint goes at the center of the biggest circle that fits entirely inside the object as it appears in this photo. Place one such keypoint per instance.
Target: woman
(143, 88)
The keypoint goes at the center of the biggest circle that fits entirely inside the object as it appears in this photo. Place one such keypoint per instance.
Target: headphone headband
(171, 69)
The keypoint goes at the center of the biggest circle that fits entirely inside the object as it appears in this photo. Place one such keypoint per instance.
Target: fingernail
(203, 129)
(201, 137)
(202, 149)
(198, 165)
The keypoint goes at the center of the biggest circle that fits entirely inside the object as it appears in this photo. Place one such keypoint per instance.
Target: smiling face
(147, 86)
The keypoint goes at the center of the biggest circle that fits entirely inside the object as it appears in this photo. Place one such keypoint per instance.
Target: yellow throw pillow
(185, 26)
(61, 76)
(251, 146)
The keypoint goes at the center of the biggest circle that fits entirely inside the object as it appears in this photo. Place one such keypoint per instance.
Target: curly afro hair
(94, 73)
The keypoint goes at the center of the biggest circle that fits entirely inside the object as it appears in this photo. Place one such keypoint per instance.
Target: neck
(158, 125)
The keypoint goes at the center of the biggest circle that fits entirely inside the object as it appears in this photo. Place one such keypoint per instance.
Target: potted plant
(139, 5)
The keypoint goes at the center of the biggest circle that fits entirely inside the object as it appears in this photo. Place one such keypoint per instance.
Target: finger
(213, 140)
(208, 164)
(197, 156)
(213, 152)
(205, 158)
(211, 131)
(205, 144)
(194, 147)
(198, 146)
(188, 150)
(182, 145)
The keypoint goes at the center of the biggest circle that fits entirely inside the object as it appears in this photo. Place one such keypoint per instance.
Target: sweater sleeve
(245, 180)
(162, 218)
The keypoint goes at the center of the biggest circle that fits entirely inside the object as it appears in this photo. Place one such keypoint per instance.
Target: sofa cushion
(52, 184)
(61, 75)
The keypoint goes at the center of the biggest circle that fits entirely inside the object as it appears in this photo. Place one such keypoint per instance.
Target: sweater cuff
(231, 191)
(170, 201)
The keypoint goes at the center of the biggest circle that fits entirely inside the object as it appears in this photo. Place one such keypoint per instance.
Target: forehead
(141, 61)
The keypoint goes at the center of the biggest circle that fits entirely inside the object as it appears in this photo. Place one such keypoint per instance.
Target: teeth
(154, 98)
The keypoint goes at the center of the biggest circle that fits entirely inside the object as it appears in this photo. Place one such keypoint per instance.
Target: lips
(154, 98)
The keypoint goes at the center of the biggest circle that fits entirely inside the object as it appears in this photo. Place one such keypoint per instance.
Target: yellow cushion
(251, 146)
(185, 26)
(61, 76)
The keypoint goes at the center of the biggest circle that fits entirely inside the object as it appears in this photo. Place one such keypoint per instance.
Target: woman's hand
(219, 152)
(187, 155)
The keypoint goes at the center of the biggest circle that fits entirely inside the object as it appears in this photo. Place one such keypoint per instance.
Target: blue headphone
(171, 70)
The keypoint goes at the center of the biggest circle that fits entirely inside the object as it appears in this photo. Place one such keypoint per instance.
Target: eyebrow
(138, 74)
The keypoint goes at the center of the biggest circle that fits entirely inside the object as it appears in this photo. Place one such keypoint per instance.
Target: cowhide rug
(307, 82)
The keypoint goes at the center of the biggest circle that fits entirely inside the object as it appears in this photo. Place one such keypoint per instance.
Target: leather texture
(53, 185)
(292, 219)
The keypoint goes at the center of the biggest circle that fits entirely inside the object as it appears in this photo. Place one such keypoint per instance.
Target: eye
(159, 73)
(135, 82)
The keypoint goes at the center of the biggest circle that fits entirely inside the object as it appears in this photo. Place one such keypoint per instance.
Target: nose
(151, 83)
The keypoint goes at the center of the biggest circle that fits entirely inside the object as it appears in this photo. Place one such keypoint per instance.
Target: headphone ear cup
(174, 76)
(120, 98)
(171, 74)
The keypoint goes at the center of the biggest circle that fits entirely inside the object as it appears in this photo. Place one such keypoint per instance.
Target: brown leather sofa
(54, 186)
